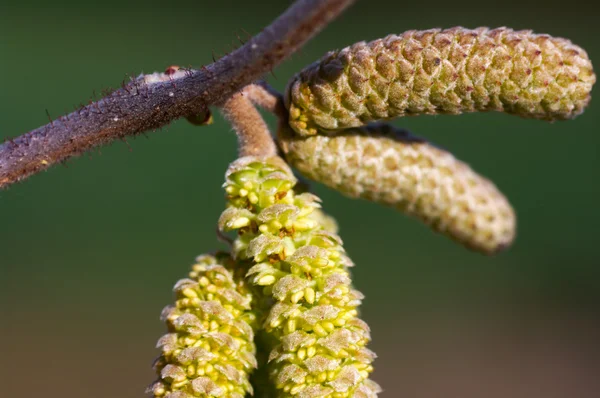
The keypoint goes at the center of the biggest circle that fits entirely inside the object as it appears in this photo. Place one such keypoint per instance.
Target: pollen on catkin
(209, 350)
(386, 165)
(319, 342)
(438, 71)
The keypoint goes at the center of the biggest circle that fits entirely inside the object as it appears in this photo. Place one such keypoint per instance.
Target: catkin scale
(389, 166)
(437, 71)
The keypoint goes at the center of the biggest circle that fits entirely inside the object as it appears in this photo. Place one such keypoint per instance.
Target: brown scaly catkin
(389, 166)
(442, 72)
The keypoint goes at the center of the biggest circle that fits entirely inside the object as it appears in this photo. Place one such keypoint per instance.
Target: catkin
(209, 350)
(389, 166)
(441, 72)
(318, 343)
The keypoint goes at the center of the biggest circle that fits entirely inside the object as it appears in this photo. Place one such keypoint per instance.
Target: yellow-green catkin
(209, 350)
(442, 72)
(389, 166)
(319, 347)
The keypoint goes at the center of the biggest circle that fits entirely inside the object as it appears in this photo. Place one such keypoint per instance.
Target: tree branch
(152, 101)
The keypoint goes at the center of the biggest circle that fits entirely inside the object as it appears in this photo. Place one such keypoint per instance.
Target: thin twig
(254, 138)
(265, 96)
(150, 102)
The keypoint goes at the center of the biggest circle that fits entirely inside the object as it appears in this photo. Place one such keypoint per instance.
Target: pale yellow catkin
(441, 72)
(317, 339)
(389, 166)
(209, 350)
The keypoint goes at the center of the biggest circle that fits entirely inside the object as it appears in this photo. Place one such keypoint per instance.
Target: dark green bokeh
(89, 252)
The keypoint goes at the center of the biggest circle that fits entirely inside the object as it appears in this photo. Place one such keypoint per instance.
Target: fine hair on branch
(152, 101)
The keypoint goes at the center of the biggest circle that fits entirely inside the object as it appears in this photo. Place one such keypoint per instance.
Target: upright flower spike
(389, 166)
(209, 350)
(320, 343)
(441, 71)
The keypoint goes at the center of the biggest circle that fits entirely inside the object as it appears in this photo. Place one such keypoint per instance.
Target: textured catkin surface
(209, 350)
(389, 166)
(316, 340)
(442, 71)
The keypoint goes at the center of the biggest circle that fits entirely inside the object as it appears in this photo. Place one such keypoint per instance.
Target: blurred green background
(89, 252)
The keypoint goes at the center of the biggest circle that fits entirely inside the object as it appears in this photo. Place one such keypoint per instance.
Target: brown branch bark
(152, 101)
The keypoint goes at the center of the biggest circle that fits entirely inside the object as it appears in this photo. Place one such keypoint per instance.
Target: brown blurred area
(419, 356)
